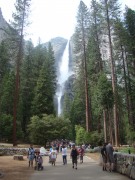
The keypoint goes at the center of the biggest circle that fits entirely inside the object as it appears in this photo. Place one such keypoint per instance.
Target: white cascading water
(63, 76)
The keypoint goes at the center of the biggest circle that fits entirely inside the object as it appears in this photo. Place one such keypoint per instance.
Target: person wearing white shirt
(64, 155)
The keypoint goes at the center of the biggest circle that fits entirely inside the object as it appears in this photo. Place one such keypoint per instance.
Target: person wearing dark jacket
(74, 154)
(104, 156)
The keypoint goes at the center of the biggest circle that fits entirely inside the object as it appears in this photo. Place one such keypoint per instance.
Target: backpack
(74, 152)
(31, 151)
(103, 151)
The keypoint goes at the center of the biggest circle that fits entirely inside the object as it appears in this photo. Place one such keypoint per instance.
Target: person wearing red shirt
(81, 154)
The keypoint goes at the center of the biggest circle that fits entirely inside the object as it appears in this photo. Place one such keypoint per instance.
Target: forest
(103, 104)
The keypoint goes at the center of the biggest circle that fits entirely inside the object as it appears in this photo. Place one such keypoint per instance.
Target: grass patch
(127, 150)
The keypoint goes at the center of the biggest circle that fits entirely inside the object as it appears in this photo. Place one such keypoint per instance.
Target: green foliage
(130, 135)
(6, 128)
(21, 15)
(130, 47)
(80, 36)
(80, 134)
(7, 93)
(46, 85)
(104, 92)
(4, 60)
(127, 149)
(26, 86)
(94, 138)
(48, 128)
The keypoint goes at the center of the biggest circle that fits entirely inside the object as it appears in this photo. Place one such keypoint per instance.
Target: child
(38, 161)
(53, 157)
(31, 155)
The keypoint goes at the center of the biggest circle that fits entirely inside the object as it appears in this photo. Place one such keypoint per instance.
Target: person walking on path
(64, 155)
(31, 155)
(74, 154)
(110, 158)
(81, 154)
(104, 156)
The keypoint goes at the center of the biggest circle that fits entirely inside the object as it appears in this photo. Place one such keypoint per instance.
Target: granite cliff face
(59, 45)
(3, 26)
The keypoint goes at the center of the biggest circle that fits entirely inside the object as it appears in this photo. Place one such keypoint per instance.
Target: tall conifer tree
(19, 24)
(110, 13)
(81, 41)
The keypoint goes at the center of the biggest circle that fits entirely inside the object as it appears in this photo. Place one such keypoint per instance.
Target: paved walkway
(89, 170)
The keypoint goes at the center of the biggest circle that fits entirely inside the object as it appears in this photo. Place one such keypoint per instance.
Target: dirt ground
(14, 169)
(19, 170)
(94, 156)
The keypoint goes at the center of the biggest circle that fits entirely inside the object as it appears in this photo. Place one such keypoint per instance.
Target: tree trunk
(105, 125)
(16, 95)
(87, 100)
(110, 127)
(113, 76)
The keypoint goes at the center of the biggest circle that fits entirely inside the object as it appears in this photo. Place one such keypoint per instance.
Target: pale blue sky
(51, 18)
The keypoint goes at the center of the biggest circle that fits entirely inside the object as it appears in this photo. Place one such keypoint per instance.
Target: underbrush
(127, 150)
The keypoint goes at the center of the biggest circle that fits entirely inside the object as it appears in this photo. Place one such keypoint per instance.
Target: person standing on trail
(110, 158)
(74, 154)
(81, 154)
(104, 156)
(31, 155)
(64, 155)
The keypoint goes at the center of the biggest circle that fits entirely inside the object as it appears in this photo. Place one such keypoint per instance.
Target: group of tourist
(107, 156)
(106, 152)
(74, 154)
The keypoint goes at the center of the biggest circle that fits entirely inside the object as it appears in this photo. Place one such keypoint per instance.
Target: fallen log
(18, 157)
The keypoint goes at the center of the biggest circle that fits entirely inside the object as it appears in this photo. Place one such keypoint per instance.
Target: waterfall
(63, 76)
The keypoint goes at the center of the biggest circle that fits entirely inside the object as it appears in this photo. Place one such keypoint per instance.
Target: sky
(51, 18)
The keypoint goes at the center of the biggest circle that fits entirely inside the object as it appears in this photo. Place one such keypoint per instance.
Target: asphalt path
(89, 170)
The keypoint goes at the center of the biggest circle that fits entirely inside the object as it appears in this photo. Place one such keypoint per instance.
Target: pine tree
(130, 58)
(81, 40)
(20, 22)
(111, 13)
(27, 85)
(51, 68)
(95, 64)
(43, 102)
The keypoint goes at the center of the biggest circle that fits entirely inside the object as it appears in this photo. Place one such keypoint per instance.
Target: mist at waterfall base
(63, 76)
